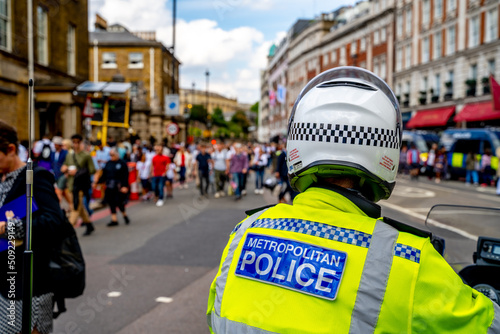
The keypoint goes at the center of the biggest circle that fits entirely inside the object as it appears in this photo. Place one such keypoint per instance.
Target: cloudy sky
(230, 38)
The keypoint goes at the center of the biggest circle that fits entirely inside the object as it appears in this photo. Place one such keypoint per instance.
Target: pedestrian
(80, 167)
(497, 152)
(203, 162)
(47, 220)
(431, 160)
(413, 161)
(219, 157)
(329, 263)
(403, 165)
(259, 163)
(282, 175)
(158, 169)
(471, 168)
(143, 171)
(486, 170)
(170, 178)
(61, 179)
(43, 152)
(441, 164)
(115, 177)
(182, 159)
(237, 168)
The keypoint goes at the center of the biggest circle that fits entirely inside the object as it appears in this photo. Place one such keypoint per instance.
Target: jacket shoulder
(252, 211)
(402, 227)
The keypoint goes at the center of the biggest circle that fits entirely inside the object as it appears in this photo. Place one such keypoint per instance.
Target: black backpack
(46, 153)
(82, 177)
(67, 267)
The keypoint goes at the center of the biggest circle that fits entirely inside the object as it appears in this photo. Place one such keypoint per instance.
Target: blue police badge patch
(291, 264)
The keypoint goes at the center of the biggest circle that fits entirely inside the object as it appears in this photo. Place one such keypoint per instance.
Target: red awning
(431, 117)
(477, 112)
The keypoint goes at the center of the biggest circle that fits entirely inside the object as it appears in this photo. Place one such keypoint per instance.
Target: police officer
(329, 263)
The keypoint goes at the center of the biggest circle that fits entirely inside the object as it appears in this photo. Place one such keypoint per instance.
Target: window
(425, 50)
(437, 45)
(109, 60)
(407, 90)
(426, 9)
(408, 56)
(492, 25)
(450, 40)
(342, 54)
(451, 76)
(376, 37)
(353, 48)
(424, 84)
(71, 41)
(362, 45)
(41, 36)
(383, 34)
(134, 89)
(399, 24)
(383, 69)
(473, 72)
(5, 18)
(399, 59)
(474, 32)
(452, 5)
(491, 66)
(334, 56)
(325, 59)
(437, 87)
(438, 8)
(408, 21)
(135, 60)
(376, 68)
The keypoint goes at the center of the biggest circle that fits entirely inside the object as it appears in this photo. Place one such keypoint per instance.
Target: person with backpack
(43, 151)
(80, 167)
(47, 226)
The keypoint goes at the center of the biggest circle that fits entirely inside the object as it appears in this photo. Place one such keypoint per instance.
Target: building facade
(60, 62)
(437, 55)
(117, 54)
(445, 52)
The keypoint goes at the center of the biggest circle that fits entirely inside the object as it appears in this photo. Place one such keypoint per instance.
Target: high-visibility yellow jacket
(322, 265)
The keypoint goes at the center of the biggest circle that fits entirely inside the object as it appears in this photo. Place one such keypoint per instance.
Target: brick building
(60, 38)
(445, 52)
(115, 53)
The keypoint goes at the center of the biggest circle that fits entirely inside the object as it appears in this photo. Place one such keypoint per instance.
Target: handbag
(67, 267)
(81, 179)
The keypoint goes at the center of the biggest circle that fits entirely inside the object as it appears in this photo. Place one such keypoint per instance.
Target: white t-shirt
(143, 169)
(219, 159)
(171, 170)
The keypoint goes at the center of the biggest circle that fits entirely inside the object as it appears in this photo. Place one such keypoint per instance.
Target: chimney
(100, 23)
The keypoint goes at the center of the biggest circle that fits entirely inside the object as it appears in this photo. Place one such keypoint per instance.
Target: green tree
(198, 113)
(255, 109)
(218, 118)
(240, 119)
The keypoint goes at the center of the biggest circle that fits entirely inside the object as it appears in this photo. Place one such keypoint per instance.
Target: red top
(160, 163)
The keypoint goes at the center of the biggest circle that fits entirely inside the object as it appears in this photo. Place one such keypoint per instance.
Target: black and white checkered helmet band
(344, 134)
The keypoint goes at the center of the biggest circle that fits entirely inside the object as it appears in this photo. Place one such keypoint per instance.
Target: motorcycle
(472, 236)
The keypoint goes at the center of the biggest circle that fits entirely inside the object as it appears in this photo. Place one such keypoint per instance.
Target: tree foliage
(239, 118)
(198, 113)
(218, 118)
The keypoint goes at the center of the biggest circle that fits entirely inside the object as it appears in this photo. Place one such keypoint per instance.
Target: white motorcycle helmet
(346, 121)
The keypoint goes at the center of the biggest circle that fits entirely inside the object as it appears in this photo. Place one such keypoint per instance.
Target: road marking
(165, 300)
(114, 294)
(413, 192)
(431, 221)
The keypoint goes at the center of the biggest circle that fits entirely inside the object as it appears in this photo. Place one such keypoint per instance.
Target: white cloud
(233, 57)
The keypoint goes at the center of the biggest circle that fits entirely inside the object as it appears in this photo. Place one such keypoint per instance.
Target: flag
(281, 94)
(272, 98)
(495, 93)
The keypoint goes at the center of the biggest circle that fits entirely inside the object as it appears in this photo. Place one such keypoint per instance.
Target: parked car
(459, 142)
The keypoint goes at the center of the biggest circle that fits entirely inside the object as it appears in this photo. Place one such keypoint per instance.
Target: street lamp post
(207, 75)
(209, 124)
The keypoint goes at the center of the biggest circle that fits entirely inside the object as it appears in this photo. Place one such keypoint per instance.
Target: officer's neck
(368, 207)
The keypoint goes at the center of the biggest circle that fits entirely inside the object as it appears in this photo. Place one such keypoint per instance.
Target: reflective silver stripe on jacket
(495, 325)
(374, 279)
(220, 283)
(226, 326)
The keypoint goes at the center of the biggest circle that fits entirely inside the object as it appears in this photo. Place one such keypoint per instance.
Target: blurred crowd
(120, 170)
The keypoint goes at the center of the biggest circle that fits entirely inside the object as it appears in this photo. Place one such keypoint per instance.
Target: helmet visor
(342, 75)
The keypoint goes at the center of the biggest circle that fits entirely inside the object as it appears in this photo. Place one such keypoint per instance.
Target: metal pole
(173, 45)
(28, 253)
(207, 74)
(31, 61)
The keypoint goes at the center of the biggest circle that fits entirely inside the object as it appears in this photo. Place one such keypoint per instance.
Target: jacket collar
(336, 196)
